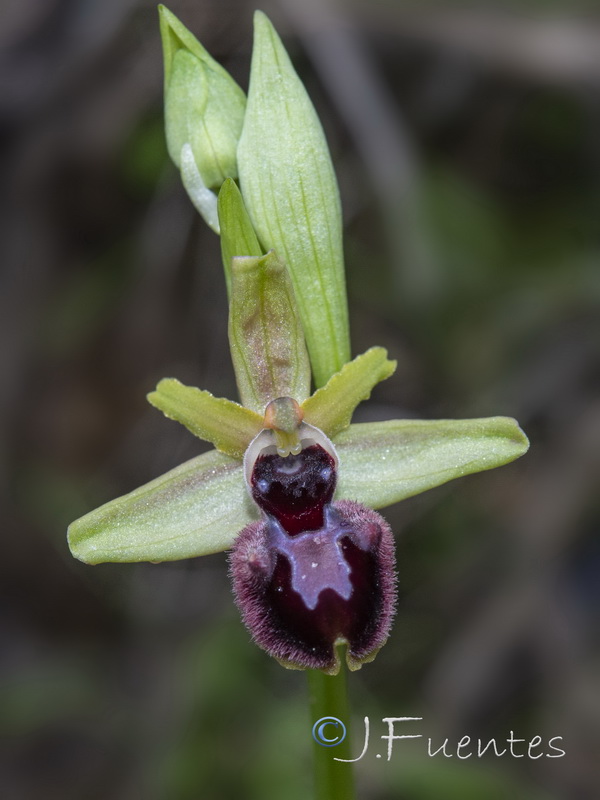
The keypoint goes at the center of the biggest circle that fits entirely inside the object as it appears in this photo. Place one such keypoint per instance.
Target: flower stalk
(328, 697)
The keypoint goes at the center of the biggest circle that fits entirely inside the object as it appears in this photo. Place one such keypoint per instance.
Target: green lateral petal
(384, 462)
(237, 234)
(195, 509)
(265, 333)
(331, 407)
(227, 425)
(291, 194)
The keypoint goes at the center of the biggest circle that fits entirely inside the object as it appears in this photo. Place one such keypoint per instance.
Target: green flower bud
(204, 112)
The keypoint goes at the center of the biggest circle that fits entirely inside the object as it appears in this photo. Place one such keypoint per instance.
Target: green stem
(328, 698)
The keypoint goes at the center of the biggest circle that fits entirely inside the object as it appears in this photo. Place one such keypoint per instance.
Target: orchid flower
(291, 486)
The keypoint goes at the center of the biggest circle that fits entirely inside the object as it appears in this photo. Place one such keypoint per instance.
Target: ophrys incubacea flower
(292, 490)
(291, 485)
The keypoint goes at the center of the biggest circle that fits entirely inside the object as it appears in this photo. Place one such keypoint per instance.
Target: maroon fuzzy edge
(249, 583)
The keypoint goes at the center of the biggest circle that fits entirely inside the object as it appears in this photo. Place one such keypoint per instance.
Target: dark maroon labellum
(313, 573)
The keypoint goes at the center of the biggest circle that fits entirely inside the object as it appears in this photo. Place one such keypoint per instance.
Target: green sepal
(265, 333)
(290, 190)
(229, 426)
(195, 509)
(384, 462)
(237, 234)
(204, 106)
(331, 407)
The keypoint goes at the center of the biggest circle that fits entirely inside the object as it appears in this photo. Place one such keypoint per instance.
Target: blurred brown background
(466, 142)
